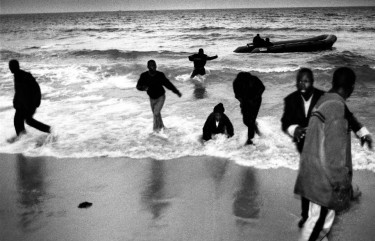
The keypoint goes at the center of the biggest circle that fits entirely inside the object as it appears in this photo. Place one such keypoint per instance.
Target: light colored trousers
(318, 224)
(156, 106)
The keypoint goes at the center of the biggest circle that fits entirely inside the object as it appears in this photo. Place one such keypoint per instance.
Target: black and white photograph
(200, 120)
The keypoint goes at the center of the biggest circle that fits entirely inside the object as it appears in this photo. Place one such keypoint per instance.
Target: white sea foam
(85, 98)
(118, 82)
(274, 69)
(117, 135)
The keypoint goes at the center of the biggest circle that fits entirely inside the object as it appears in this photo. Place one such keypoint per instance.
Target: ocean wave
(257, 29)
(260, 29)
(331, 14)
(115, 54)
(6, 55)
(205, 28)
(95, 30)
(363, 29)
(32, 47)
(343, 58)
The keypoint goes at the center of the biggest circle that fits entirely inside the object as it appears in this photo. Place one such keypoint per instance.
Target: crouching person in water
(153, 81)
(26, 100)
(217, 123)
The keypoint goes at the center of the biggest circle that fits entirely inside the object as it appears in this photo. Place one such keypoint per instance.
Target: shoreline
(188, 198)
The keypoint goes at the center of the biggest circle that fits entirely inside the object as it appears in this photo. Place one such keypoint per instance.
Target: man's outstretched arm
(212, 57)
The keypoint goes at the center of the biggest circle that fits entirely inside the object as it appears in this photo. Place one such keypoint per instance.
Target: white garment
(314, 214)
(307, 104)
(292, 128)
(217, 124)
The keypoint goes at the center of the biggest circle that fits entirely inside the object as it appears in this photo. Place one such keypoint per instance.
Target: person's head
(151, 65)
(241, 76)
(14, 66)
(200, 51)
(267, 40)
(305, 80)
(343, 81)
(258, 35)
(218, 111)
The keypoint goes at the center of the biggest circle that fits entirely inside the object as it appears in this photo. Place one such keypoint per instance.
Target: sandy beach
(191, 198)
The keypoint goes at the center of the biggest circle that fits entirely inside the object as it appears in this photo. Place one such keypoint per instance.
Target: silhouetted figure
(217, 123)
(258, 41)
(200, 61)
(153, 81)
(248, 89)
(297, 112)
(26, 100)
(325, 174)
(267, 43)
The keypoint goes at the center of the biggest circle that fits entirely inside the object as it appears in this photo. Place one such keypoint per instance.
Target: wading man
(26, 100)
(153, 81)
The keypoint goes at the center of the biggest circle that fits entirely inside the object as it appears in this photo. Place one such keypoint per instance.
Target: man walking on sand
(26, 100)
(153, 81)
(297, 111)
(325, 174)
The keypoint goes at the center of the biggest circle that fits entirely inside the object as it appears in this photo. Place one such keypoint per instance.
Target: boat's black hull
(322, 42)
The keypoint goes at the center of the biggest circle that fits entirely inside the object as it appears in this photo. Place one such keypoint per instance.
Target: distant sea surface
(88, 64)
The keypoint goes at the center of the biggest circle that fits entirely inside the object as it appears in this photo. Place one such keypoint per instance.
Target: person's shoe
(249, 142)
(16, 138)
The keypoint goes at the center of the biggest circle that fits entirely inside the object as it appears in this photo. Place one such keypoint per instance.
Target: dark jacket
(200, 60)
(154, 84)
(248, 90)
(224, 127)
(27, 91)
(294, 114)
(325, 172)
(258, 41)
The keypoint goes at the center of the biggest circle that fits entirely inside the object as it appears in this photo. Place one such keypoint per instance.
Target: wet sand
(191, 198)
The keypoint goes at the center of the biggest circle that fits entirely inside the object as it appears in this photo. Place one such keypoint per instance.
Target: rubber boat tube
(322, 42)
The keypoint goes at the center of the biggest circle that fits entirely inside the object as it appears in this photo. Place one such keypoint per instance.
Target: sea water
(88, 64)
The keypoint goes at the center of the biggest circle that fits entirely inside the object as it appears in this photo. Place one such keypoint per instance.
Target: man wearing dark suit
(297, 111)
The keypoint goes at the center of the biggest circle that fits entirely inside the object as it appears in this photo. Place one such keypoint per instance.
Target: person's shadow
(246, 199)
(200, 91)
(154, 192)
(31, 189)
(217, 168)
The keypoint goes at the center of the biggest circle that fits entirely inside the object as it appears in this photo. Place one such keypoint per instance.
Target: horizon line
(187, 9)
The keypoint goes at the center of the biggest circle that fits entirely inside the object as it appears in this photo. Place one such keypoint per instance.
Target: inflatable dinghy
(318, 43)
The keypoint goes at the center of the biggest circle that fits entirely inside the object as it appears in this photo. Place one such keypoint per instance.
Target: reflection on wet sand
(246, 201)
(31, 189)
(154, 193)
(217, 168)
(192, 198)
(200, 91)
